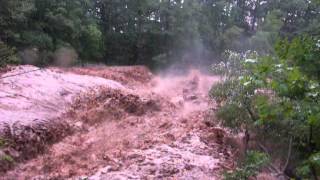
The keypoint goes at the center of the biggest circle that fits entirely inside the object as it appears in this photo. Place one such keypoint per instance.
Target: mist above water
(62, 57)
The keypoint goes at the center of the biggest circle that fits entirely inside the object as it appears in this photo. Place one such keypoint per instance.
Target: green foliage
(278, 98)
(303, 53)
(37, 39)
(309, 165)
(145, 31)
(49, 25)
(2, 143)
(7, 159)
(7, 55)
(92, 40)
(250, 167)
(233, 38)
(237, 90)
(222, 91)
(233, 116)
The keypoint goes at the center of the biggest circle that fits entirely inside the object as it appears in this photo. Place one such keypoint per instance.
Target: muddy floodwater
(116, 123)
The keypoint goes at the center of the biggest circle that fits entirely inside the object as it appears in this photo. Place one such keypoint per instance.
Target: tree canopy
(153, 32)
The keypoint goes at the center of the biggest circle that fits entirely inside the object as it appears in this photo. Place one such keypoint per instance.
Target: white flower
(313, 95)
(316, 157)
(250, 61)
(318, 43)
(313, 86)
(247, 83)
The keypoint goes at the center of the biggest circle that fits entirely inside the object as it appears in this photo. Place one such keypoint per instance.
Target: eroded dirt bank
(151, 129)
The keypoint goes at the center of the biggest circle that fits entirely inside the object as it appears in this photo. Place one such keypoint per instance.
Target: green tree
(277, 98)
(7, 55)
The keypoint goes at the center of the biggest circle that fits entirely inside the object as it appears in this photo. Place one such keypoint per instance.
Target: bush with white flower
(276, 99)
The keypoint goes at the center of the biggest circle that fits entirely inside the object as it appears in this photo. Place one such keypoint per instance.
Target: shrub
(7, 55)
(250, 167)
(276, 98)
(2, 142)
(7, 158)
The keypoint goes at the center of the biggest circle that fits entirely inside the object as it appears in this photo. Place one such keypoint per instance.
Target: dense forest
(151, 32)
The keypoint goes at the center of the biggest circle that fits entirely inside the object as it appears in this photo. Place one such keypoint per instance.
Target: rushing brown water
(140, 130)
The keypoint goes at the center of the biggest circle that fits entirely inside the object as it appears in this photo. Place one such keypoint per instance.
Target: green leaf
(315, 159)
